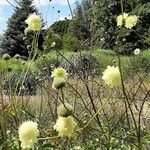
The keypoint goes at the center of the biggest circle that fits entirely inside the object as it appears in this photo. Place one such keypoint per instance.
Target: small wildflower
(137, 51)
(126, 20)
(28, 133)
(53, 44)
(121, 19)
(77, 148)
(8, 132)
(34, 22)
(59, 73)
(65, 126)
(111, 76)
(131, 21)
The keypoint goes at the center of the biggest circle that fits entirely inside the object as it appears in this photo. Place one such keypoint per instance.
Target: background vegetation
(107, 118)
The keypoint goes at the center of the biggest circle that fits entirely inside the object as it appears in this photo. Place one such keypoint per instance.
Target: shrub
(71, 43)
(50, 38)
(6, 57)
(13, 83)
(61, 27)
(141, 62)
(13, 64)
(85, 65)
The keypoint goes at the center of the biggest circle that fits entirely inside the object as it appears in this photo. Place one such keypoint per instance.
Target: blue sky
(46, 8)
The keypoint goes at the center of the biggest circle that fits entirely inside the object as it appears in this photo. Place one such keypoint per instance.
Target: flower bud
(65, 110)
(59, 83)
(28, 31)
(17, 56)
(6, 57)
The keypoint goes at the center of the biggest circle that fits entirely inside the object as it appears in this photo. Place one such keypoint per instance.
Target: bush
(71, 43)
(50, 38)
(6, 57)
(61, 27)
(13, 64)
(85, 65)
(141, 62)
(13, 84)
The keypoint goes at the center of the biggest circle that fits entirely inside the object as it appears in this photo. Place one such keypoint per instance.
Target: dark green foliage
(95, 24)
(80, 26)
(50, 38)
(12, 42)
(138, 36)
(61, 27)
(71, 43)
(107, 30)
(140, 63)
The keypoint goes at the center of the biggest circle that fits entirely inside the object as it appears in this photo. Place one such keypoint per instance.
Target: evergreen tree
(13, 42)
(80, 26)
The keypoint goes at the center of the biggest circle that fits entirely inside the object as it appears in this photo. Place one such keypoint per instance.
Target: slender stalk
(95, 111)
(121, 1)
(63, 102)
(70, 8)
(139, 120)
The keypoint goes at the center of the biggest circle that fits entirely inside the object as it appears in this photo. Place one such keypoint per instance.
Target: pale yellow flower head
(65, 126)
(112, 76)
(136, 51)
(28, 134)
(131, 21)
(59, 73)
(34, 22)
(121, 19)
(53, 44)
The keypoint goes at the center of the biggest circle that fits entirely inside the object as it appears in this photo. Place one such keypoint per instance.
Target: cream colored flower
(131, 21)
(59, 73)
(136, 51)
(77, 148)
(58, 82)
(53, 44)
(28, 134)
(65, 126)
(111, 76)
(34, 22)
(121, 19)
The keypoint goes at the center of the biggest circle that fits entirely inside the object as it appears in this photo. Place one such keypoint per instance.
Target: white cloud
(3, 2)
(46, 2)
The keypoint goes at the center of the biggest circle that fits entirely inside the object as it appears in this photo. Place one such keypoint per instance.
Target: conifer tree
(13, 41)
(80, 26)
